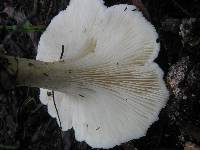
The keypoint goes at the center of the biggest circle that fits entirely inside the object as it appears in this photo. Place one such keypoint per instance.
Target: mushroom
(107, 86)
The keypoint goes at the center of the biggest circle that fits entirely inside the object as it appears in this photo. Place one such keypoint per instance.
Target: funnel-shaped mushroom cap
(115, 91)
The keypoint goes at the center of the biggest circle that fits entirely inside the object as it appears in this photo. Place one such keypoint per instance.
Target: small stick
(63, 49)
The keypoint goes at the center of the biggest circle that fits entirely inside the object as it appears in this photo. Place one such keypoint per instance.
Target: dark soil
(24, 121)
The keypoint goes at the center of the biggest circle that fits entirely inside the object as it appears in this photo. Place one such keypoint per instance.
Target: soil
(24, 121)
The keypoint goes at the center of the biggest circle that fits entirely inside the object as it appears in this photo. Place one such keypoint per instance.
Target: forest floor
(24, 121)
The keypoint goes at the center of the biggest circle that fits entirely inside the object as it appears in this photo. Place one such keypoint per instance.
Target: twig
(63, 49)
(8, 147)
(23, 28)
(56, 109)
(58, 117)
(181, 8)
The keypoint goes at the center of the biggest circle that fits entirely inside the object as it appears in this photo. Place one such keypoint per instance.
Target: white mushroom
(112, 90)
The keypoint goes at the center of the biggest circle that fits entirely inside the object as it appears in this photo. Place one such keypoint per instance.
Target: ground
(24, 121)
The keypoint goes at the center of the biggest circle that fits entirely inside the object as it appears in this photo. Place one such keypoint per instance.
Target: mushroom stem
(35, 73)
